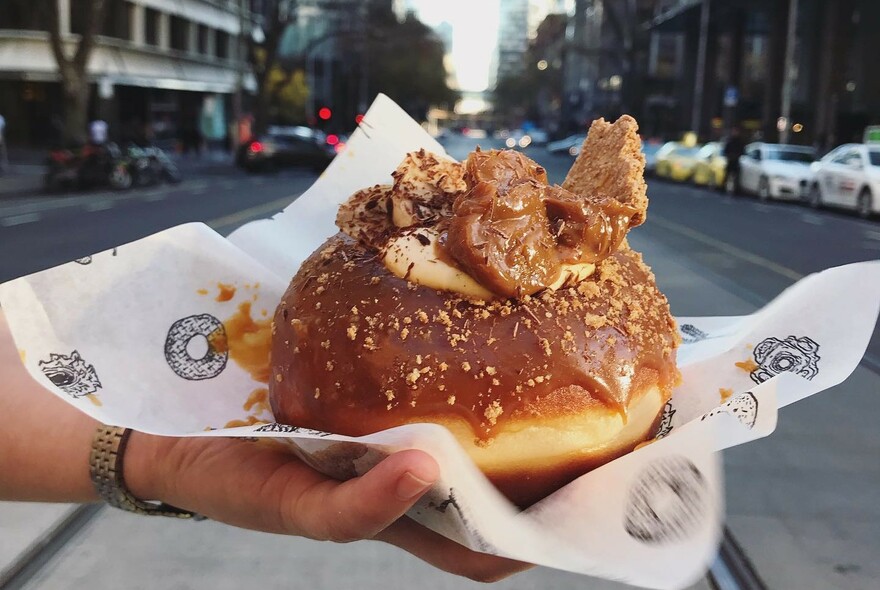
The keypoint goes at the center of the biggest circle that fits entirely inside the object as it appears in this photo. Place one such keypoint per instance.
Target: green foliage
(406, 63)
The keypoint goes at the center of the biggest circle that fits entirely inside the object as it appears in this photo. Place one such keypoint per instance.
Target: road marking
(42, 204)
(870, 246)
(154, 196)
(20, 219)
(253, 212)
(199, 191)
(872, 234)
(725, 247)
(99, 205)
(228, 184)
(814, 219)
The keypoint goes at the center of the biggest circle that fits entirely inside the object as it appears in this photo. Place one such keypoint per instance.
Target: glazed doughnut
(509, 311)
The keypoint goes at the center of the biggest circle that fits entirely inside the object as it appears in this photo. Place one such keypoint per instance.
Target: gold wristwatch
(105, 467)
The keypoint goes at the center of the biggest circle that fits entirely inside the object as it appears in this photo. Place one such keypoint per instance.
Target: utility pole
(241, 60)
(790, 72)
(364, 89)
(700, 80)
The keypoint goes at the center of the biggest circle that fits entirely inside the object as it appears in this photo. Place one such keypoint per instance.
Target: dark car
(281, 147)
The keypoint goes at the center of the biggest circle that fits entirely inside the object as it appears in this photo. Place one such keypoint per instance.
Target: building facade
(740, 66)
(160, 69)
(513, 40)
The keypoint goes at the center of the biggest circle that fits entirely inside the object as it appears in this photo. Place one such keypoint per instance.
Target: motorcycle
(89, 166)
(151, 165)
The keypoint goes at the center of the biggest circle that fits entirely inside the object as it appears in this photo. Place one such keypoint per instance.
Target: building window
(222, 44)
(179, 33)
(151, 26)
(20, 16)
(78, 16)
(116, 22)
(203, 39)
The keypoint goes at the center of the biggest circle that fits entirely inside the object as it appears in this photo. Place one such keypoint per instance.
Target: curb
(32, 559)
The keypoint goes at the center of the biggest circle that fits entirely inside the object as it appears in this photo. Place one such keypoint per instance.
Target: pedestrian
(46, 446)
(98, 132)
(734, 147)
(4, 156)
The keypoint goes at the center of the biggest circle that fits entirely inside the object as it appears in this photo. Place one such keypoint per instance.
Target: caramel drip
(358, 350)
(249, 341)
(225, 292)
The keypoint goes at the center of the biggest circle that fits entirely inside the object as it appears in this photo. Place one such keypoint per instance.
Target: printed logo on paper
(790, 355)
(691, 334)
(197, 367)
(665, 420)
(288, 429)
(668, 502)
(71, 374)
(743, 407)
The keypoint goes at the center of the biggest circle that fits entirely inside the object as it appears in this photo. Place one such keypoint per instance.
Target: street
(801, 503)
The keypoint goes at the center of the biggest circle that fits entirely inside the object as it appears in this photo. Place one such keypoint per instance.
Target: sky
(474, 35)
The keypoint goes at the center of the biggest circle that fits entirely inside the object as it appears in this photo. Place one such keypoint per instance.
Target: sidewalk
(22, 180)
(24, 177)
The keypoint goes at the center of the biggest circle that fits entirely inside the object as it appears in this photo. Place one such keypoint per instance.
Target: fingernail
(409, 486)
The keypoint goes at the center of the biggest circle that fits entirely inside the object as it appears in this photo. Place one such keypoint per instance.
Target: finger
(448, 555)
(363, 506)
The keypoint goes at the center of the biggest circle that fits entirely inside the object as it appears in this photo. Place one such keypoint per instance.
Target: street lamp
(542, 65)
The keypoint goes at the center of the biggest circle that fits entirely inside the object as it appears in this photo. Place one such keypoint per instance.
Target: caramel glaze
(513, 232)
(357, 350)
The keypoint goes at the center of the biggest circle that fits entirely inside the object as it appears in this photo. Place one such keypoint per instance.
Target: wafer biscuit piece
(611, 163)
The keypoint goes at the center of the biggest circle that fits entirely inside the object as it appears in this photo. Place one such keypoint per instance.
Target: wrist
(143, 465)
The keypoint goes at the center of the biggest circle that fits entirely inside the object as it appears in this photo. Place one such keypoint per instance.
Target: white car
(776, 171)
(570, 145)
(848, 176)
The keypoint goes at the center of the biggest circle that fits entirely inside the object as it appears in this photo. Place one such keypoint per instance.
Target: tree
(406, 63)
(277, 16)
(73, 68)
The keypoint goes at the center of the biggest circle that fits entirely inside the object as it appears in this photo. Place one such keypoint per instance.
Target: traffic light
(358, 119)
(324, 113)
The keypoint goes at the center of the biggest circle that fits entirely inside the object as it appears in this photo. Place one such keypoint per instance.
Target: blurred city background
(760, 123)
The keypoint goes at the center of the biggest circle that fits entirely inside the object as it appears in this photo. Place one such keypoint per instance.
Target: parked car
(676, 161)
(570, 145)
(710, 166)
(287, 147)
(776, 171)
(848, 176)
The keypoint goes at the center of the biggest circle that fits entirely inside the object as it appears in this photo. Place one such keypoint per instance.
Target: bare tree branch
(95, 13)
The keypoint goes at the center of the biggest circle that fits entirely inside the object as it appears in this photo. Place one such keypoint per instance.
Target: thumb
(362, 507)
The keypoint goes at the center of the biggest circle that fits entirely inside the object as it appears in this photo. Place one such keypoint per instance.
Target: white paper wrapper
(117, 336)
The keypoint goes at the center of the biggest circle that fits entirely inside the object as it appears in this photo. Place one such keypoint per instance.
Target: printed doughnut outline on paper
(691, 334)
(668, 501)
(743, 407)
(798, 355)
(71, 374)
(179, 336)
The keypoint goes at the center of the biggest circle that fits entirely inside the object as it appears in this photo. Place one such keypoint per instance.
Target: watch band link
(106, 463)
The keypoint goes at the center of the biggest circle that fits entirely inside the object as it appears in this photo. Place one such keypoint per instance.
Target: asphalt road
(802, 502)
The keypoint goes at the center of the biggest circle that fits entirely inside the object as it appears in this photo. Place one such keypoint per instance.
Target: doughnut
(481, 298)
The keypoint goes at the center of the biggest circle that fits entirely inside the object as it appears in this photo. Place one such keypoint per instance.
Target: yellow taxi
(711, 164)
(676, 161)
